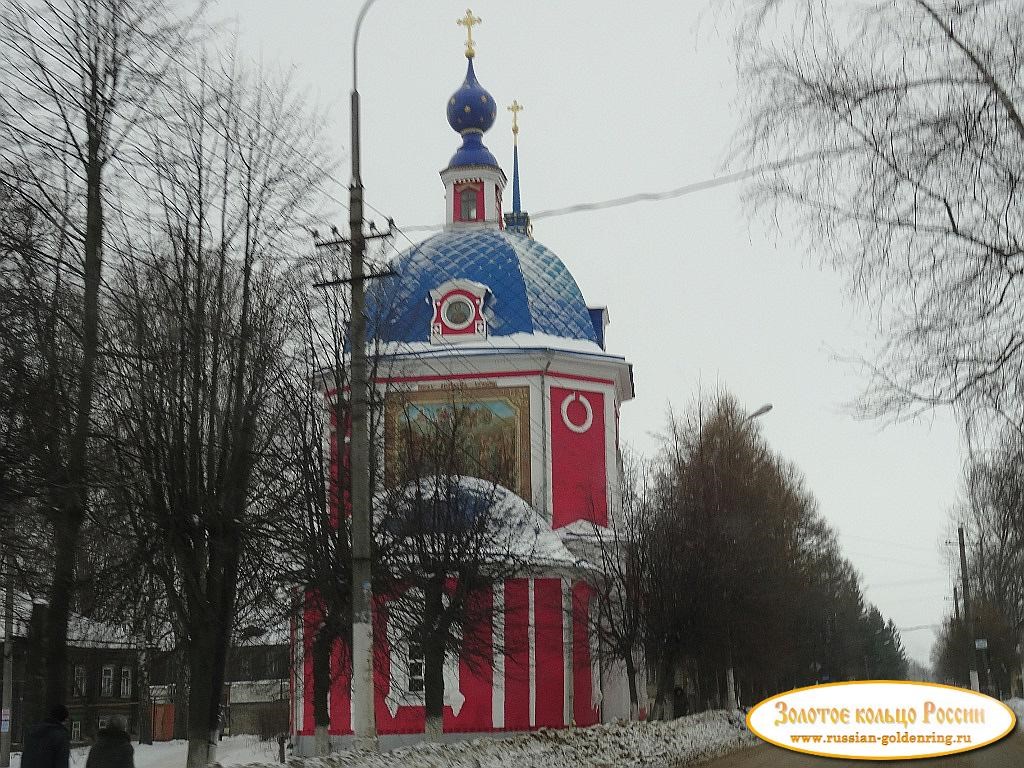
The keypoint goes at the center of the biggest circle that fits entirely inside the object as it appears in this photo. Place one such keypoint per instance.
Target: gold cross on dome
(515, 108)
(469, 21)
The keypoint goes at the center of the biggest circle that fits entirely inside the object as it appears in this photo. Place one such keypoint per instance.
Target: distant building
(254, 699)
(103, 675)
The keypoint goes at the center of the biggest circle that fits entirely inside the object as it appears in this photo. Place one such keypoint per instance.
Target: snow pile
(651, 745)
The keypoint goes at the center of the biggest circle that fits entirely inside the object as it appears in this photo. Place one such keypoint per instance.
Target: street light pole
(363, 717)
(730, 673)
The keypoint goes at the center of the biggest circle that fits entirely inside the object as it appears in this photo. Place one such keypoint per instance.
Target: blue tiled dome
(531, 291)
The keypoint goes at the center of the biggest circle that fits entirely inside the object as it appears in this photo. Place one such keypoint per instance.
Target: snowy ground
(233, 750)
(647, 745)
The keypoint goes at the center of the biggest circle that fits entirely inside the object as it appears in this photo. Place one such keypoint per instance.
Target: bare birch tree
(904, 120)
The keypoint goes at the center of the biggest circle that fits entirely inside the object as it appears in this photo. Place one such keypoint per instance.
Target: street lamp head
(760, 411)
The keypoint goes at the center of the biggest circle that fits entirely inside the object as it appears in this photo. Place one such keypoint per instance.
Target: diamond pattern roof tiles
(531, 289)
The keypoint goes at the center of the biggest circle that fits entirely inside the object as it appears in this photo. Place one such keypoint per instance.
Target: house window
(107, 682)
(415, 666)
(126, 683)
(76, 730)
(102, 723)
(79, 687)
(468, 204)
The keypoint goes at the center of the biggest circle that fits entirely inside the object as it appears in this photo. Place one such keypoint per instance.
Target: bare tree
(204, 321)
(451, 534)
(991, 512)
(76, 79)
(904, 124)
(314, 536)
(745, 574)
(625, 566)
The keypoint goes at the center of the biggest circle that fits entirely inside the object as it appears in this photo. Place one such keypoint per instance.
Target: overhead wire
(669, 194)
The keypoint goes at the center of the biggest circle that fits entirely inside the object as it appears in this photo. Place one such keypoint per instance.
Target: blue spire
(516, 207)
(518, 221)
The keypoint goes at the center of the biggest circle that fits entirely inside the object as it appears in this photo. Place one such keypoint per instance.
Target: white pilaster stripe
(531, 630)
(498, 649)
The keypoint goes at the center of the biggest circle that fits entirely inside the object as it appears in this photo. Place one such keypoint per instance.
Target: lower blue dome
(531, 290)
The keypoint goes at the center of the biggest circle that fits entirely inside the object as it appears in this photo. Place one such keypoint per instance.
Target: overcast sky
(622, 98)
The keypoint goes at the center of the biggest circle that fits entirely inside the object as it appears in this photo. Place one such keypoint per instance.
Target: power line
(670, 194)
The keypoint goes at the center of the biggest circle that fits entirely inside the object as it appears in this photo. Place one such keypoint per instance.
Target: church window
(468, 209)
(415, 667)
(458, 312)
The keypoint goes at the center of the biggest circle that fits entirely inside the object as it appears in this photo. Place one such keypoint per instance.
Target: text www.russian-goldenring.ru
(884, 740)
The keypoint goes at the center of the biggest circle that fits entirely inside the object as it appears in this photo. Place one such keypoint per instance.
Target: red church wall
(517, 655)
(578, 466)
(476, 680)
(341, 700)
(584, 712)
(549, 652)
(476, 677)
(335, 484)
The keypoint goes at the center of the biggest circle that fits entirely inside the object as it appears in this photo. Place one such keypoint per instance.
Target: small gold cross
(515, 108)
(469, 21)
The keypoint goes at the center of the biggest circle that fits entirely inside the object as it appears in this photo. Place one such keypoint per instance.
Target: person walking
(113, 747)
(48, 744)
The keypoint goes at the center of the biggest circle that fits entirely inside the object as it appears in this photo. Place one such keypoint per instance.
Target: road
(1008, 753)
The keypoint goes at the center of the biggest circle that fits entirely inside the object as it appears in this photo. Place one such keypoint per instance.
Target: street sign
(981, 645)
(5, 720)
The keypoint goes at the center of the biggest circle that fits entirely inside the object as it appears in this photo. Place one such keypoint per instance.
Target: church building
(483, 314)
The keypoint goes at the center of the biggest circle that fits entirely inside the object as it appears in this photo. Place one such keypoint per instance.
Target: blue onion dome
(531, 290)
(471, 111)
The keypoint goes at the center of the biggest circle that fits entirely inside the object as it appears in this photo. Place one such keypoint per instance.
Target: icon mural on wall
(492, 425)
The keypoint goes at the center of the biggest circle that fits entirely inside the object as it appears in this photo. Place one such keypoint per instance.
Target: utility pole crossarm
(349, 280)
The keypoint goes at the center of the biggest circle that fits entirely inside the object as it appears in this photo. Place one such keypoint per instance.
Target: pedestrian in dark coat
(48, 744)
(113, 747)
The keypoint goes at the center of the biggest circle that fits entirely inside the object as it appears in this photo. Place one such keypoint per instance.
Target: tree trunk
(433, 665)
(634, 696)
(663, 705)
(181, 695)
(71, 510)
(201, 749)
(321, 688)
(145, 719)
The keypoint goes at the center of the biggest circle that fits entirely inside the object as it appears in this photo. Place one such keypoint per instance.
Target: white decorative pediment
(458, 312)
